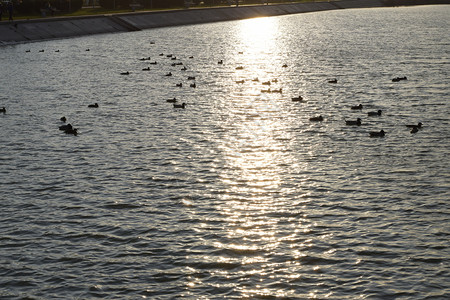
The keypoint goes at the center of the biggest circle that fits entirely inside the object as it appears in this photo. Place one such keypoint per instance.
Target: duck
(161, 54)
(179, 84)
(380, 133)
(182, 105)
(193, 85)
(57, 50)
(285, 66)
(419, 125)
(240, 68)
(169, 74)
(169, 55)
(183, 69)
(125, 73)
(88, 49)
(357, 122)
(65, 127)
(297, 99)
(266, 83)
(95, 105)
(240, 81)
(63, 119)
(220, 62)
(278, 91)
(316, 119)
(3, 110)
(191, 57)
(173, 100)
(397, 79)
(357, 106)
(414, 129)
(28, 51)
(144, 58)
(153, 63)
(333, 80)
(374, 113)
(146, 69)
(191, 78)
(41, 50)
(275, 80)
(73, 131)
(256, 79)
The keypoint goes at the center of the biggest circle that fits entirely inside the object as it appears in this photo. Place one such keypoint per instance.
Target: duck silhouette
(374, 113)
(125, 73)
(357, 122)
(380, 133)
(146, 69)
(95, 105)
(316, 119)
(65, 127)
(173, 100)
(397, 79)
(73, 131)
(357, 106)
(63, 119)
(332, 80)
(182, 105)
(3, 110)
(297, 99)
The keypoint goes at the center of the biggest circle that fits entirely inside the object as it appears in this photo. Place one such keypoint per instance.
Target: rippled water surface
(238, 195)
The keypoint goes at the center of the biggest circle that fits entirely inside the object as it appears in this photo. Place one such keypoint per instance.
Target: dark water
(239, 195)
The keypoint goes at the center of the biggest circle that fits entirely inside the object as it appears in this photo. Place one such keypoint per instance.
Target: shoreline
(25, 31)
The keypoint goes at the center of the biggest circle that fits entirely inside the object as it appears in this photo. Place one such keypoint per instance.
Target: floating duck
(146, 69)
(220, 62)
(3, 110)
(144, 58)
(65, 127)
(357, 106)
(316, 119)
(183, 69)
(397, 79)
(153, 63)
(275, 80)
(169, 74)
(357, 122)
(28, 51)
(41, 50)
(182, 105)
(332, 80)
(380, 133)
(240, 68)
(95, 105)
(73, 131)
(374, 113)
(57, 51)
(63, 119)
(191, 78)
(191, 57)
(297, 99)
(173, 100)
(169, 55)
(125, 73)
(285, 66)
(240, 81)
(255, 79)
(419, 125)
(161, 54)
(88, 49)
(193, 85)
(266, 83)
(179, 84)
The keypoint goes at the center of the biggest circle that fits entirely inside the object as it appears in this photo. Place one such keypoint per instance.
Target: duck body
(146, 69)
(173, 100)
(380, 133)
(297, 99)
(357, 107)
(95, 105)
(332, 80)
(357, 122)
(182, 105)
(73, 131)
(125, 73)
(316, 119)
(374, 113)
(63, 119)
(65, 127)
(397, 79)
(3, 110)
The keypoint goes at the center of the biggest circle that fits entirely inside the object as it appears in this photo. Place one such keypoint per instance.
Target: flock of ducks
(69, 129)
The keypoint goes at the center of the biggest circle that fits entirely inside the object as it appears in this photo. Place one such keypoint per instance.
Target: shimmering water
(239, 195)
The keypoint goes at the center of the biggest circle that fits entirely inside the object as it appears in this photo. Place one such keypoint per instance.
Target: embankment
(55, 28)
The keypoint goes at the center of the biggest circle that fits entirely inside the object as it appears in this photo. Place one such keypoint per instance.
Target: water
(239, 195)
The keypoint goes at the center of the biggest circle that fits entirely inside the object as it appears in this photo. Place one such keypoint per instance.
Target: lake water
(238, 195)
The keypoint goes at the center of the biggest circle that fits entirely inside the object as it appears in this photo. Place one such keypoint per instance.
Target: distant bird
(255, 79)
(183, 105)
(220, 62)
(191, 56)
(169, 55)
(285, 66)
(183, 69)
(146, 69)
(357, 122)
(95, 105)
(357, 106)
(240, 68)
(266, 83)
(374, 113)
(179, 84)
(65, 127)
(277, 91)
(73, 131)
(297, 99)
(169, 74)
(3, 110)
(63, 119)
(275, 80)
(332, 80)
(41, 50)
(88, 49)
(161, 54)
(240, 81)
(193, 85)
(316, 119)
(414, 129)
(125, 73)
(57, 51)
(191, 78)
(174, 58)
(28, 51)
(153, 63)
(380, 133)
(397, 79)
(419, 125)
(173, 100)
(144, 58)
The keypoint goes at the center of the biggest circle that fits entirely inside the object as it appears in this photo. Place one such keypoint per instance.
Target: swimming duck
(240, 81)
(191, 56)
(297, 99)
(266, 83)
(278, 91)
(125, 73)
(161, 54)
(169, 55)
(63, 119)
(357, 122)
(41, 50)
(28, 51)
(357, 106)
(374, 113)
(173, 100)
(240, 68)
(419, 125)
(65, 127)
(179, 84)
(193, 85)
(191, 78)
(285, 66)
(332, 80)
(88, 49)
(220, 62)
(255, 79)
(397, 79)
(316, 119)
(57, 51)
(183, 69)
(182, 105)
(275, 80)
(380, 133)
(153, 63)
(144, 58)
(73, 131)
(146, 69)
(3, 109)
(95, 105)
(169, 74)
